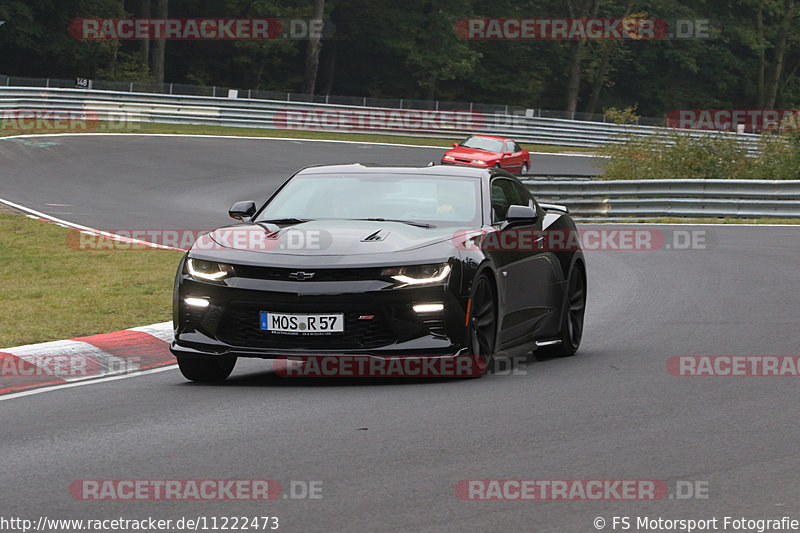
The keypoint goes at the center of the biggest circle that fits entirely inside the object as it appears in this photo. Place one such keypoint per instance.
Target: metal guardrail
(232, 110)
(678, 198)
(556, 177)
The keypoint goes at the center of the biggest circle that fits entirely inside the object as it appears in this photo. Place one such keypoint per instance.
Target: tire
(571, 318)
(497, 165)
(483, 321)
(524, 169)
(206, 368)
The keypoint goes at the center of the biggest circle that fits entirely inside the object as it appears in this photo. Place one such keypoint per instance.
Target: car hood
(324, 238)
(472, 153)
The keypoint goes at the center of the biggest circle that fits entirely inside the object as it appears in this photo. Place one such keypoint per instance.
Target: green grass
(52, 291)
(288, 134)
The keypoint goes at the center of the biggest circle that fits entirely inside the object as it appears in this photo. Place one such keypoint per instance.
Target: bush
(626, 115)
(675, 155)
(778, 157)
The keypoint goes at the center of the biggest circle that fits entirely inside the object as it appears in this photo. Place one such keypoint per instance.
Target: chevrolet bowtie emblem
(301, 276)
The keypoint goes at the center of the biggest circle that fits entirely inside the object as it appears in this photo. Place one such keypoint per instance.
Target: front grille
(240, 326)
(325, 274)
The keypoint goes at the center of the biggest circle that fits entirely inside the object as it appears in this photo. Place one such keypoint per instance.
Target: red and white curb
(49, 364)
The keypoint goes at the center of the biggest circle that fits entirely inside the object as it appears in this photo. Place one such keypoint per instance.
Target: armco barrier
(276, 114)
(678, 198)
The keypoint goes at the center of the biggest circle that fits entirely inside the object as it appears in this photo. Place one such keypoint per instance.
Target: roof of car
(491, 137)
(432, 170)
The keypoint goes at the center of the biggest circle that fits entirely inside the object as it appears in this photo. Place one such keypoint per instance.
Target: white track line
(293, 139)
(65, 223)
(221, 137)
(85, 382)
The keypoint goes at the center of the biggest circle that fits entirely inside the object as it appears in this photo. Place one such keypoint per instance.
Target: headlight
(479, 161)
(208, 270)
(418, 274)
(449, 158)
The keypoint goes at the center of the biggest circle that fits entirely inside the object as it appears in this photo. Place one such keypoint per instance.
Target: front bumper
(466, 163)
(379, 321)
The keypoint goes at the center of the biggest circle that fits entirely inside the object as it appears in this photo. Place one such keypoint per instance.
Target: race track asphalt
(153, 182)
(390, 453)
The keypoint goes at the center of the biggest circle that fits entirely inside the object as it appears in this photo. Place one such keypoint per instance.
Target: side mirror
(506, 154)
(521, 213)
(242, 210)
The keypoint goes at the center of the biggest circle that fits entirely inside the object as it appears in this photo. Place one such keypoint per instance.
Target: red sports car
(489, 151)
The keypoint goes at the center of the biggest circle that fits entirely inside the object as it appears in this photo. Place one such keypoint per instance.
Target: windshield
(484, 143)
(433, 200)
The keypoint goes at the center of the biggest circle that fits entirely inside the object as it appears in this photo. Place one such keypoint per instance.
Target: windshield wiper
(409, 222)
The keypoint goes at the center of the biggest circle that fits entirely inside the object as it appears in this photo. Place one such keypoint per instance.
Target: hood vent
(377, 236)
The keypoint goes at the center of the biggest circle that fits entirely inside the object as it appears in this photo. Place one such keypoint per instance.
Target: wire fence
(363, 101)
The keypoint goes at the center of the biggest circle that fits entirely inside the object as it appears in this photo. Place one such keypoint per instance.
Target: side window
(517, 148)
(504, 194)
(525, 195)
(509, 147)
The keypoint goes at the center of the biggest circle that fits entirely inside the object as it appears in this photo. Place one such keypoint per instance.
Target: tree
(437, 53)
(35, 40)
(160, 45)
(607, 49)
(313, 49)
(144, 45)
(775, 70)
(577, 9)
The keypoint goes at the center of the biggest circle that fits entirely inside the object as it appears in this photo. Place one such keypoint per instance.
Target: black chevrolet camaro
(382, 262)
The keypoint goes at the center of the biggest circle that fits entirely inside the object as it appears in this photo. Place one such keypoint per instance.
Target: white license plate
(300, 324)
